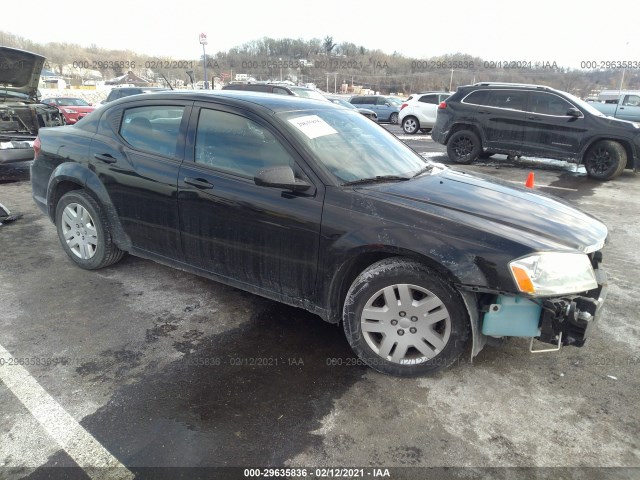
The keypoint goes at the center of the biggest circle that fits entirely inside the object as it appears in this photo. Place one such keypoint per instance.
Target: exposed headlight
(69, 110)
(553, 273)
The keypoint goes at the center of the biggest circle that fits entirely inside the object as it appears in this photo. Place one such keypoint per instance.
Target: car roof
(274, 103)
(506, 85)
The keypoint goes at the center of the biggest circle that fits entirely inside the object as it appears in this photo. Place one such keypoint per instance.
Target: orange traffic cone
(529, 182)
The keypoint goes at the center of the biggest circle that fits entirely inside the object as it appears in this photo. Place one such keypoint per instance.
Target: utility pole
(203, 42)
(451, 80)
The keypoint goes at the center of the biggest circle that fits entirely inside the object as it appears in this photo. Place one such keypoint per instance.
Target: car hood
(536, 219)
(20, 71)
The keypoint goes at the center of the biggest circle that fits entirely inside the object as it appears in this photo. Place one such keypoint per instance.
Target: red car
(72, 109)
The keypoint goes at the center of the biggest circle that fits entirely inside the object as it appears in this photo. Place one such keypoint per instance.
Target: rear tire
(464, 146)
(605, 160)
(402, 318)
(84, 231)
(393, 118)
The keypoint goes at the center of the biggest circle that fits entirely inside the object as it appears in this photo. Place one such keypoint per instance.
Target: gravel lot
(149, 361)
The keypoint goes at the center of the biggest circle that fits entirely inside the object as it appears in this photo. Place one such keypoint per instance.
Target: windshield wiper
(378, 179)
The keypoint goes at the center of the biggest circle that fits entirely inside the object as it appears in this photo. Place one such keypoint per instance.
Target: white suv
(419, 111)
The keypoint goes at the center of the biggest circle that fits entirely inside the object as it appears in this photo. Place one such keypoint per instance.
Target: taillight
(403, 105)
(442, 105)
(36, 147)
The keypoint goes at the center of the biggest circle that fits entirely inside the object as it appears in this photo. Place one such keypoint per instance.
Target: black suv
(515, 119)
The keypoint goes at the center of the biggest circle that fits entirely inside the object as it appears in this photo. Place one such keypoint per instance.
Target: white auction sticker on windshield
(313, 126)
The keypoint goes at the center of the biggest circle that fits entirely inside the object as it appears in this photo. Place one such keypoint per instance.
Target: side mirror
(574, 112)
(280, 177)
(387, 104)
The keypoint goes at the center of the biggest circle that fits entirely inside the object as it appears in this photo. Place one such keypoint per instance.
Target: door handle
(104, 157)
(198, 182)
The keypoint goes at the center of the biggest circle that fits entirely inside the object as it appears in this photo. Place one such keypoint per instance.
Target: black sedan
(314, 205)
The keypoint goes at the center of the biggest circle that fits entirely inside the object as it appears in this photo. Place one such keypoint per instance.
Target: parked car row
(517, 119)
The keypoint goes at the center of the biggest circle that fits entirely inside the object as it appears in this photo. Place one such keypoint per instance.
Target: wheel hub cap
(79, 231)
(406, 324)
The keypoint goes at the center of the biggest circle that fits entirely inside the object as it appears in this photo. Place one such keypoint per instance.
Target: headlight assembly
(553, 273)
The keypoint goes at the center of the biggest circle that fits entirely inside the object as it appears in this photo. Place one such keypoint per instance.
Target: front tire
(605, 160)
(401, 318)
(410, 125)
(464, 146)
(84, 231)
(393, 118)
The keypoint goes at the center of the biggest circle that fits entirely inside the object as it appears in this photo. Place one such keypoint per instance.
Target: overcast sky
(564, 31)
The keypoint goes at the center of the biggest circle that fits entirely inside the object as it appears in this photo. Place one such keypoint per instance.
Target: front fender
(81, 175)
(352, 257)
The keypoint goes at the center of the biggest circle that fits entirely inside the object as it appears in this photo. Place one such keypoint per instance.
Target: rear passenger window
(381, 101)
(358, 101)
(280, 91)
(432, 99)
(237, 145)
(510, 99)
(153, 129)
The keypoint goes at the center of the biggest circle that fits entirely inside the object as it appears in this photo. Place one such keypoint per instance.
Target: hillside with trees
(324, 62)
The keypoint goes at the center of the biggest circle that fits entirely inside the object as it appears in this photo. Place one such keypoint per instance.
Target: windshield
(351, 146)
(395, 100)
(584, 105)
(343, 103)
(306, 93)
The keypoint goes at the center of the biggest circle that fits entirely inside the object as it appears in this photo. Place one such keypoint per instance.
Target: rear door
(261, 236)
(501, 118)
(137, 154)
(548, 130)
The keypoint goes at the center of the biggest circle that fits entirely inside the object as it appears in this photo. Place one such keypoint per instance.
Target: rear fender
(80, 175)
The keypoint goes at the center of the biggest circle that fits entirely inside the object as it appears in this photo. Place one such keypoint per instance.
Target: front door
(262, 236)
(549, 131)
